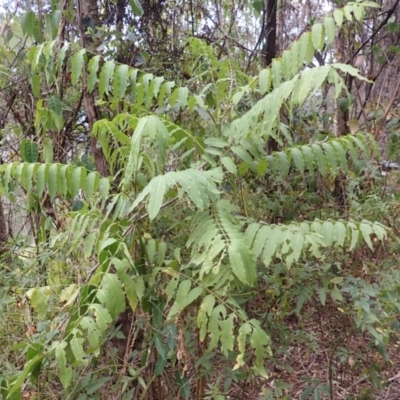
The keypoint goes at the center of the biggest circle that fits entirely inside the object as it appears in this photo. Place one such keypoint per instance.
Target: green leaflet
(55, 105)
(347, 11)
(120, 81)
(297, 156)
(229, 165)
(77, 65)
(244, 330)
(339, 233)
(184, 297)
(136, 7)
(106, 74)
(329, 25)
(52, 180)
(242, 262)
(297, 246)
(65, 372)
(287, 66)
(76, 346)
(260, 342)
(28, 22)
(205, 311)
(227, 334)
(156, 196)
(217, 315)
(264, 80)
(283, 162)
(103, 317)
(366, 230)
(29, 151)
(318, 36)
(91, 184)
(61, 55)
(26, 179)
(48, 153)
(52, 24)
(276, 73)
(93, 67)
(32, 26)
(111, 294)
(338, 16)
(93, 332)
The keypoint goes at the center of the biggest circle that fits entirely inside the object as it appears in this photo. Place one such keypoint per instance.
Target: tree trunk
(269, 51)
(3, 230)
(88, 15)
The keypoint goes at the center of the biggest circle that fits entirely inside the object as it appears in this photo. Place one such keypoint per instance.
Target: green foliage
(55, 178)
(29, 151)
(172, 234)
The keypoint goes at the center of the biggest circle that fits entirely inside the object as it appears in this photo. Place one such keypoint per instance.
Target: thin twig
(166, 204)
(362, 108)
(382, 24)
(394, 97)
(393, 378)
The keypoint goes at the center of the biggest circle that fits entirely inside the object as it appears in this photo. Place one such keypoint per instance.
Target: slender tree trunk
(341, 118)
(88, 14)
(269, 51)
(3, 230)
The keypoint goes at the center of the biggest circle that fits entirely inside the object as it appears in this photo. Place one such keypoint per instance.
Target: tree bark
(87, 10)
(269, 51)
(3, 230)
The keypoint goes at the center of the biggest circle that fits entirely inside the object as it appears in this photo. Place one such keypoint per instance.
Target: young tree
(162, 224)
